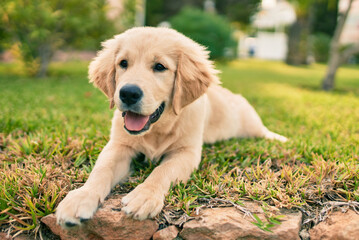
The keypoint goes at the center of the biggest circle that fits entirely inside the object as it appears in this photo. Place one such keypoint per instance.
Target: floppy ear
(194, 75)
(102, 69)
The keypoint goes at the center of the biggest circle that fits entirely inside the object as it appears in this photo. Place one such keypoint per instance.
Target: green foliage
(4, 38)
(158, 11)
(302, 7)
(312, 17)
(269, 223)
(40, 27)
(321, 46)
(127, 18)
(325, 16)
(238, 11)
(208, 29)
(355, 59)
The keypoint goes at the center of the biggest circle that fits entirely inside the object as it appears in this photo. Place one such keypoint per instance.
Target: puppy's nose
(130, 94)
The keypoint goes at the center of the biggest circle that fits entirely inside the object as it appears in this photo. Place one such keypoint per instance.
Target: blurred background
(34, 33)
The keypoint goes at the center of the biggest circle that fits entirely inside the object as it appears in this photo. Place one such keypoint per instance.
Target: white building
(274, 15)
(271, 40)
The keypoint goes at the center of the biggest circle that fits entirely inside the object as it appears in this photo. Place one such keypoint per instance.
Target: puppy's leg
(146, 200)
(253, 125)
(112, 166)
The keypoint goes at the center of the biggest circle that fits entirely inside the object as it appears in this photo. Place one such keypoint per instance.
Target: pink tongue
(135, 122)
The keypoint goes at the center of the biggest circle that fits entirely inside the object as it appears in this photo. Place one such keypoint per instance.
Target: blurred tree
(313, 16)
(154, 12)
(338, 54)
(320, 44)
(127, 18)
(4, 38)
(208, 29)
(238, 11)
(40, 27)
(158, 11)
(298, 33)
(323, 27)
(325, 16)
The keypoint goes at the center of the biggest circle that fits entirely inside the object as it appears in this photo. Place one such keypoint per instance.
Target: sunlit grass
(52, 130)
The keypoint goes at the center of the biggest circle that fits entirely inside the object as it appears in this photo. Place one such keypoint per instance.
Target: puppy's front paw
(143, 202)
(78, 206)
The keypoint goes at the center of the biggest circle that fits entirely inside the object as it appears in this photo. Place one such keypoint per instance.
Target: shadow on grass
(336, 90)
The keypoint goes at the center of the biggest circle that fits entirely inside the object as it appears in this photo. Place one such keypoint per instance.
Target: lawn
(52, 130)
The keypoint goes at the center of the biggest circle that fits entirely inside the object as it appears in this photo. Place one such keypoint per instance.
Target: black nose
(130, 94)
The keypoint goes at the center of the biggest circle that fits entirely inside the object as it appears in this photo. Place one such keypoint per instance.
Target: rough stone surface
(4, 236)
(108, 223)
(230, 223)
(168, 233)
(339, 225)
(24, 237)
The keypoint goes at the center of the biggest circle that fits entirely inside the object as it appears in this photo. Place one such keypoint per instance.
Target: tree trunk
(297, 42)
(45, 53)
(333, 65)
(335, 58)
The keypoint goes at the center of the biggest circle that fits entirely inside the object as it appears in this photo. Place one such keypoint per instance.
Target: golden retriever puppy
(168, 103)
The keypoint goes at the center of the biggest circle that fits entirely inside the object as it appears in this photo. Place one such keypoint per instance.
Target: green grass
(52, 130)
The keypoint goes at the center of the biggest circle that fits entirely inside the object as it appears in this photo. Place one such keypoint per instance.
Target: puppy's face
(147, 72)
(145, 75)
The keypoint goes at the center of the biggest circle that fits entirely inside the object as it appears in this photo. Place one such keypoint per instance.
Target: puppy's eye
(158, 67)
(123, 64)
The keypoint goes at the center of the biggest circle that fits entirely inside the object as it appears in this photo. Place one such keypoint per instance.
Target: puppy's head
(147, 72)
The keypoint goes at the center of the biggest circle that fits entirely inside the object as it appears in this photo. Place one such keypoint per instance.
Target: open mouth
(136, 123)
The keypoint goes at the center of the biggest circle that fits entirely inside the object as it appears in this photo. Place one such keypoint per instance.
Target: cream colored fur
(197, 110)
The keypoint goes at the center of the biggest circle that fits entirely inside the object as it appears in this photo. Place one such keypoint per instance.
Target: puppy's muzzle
(130, 94)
